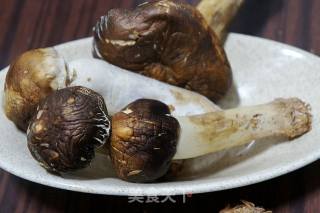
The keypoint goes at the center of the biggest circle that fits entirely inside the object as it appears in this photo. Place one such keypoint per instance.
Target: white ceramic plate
(263, 70)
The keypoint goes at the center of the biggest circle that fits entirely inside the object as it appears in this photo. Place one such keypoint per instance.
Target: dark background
(27, 24)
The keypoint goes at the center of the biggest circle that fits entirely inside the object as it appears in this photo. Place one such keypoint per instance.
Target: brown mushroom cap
(31, 77)
(143, 142)
(66, 128)
(168, 41)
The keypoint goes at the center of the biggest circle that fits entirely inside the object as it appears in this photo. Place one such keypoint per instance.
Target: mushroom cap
(143, 142)
(31, 77)
(66, 128)
(168, 41)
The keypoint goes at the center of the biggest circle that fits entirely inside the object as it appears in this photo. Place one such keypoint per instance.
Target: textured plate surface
(263, 70)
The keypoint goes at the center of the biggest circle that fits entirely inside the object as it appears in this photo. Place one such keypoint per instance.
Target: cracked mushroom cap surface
(167, 41)
(143, 142)
(68, 125)
(31, 77)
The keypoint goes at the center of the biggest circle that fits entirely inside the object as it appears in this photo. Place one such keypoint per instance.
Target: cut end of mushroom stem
(216, 131)
(219, 14)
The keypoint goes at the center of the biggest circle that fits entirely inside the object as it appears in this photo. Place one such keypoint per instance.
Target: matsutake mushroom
(66, 128)
(37, 73)
(167, 41)
(145, 137)
(143, 141)
(244, 207)
(31, 77)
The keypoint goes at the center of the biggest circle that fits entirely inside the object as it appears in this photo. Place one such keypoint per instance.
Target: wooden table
(27, 24)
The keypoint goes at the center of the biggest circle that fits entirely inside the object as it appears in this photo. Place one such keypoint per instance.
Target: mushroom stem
(219, 14)
(216, 131)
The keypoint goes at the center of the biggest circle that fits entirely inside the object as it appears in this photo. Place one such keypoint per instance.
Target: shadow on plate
(214, 163)
(99, 168)
(231, 99)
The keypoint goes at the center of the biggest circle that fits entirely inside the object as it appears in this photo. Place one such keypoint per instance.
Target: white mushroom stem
(219, 14)
(216, 131)
(120, 87)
